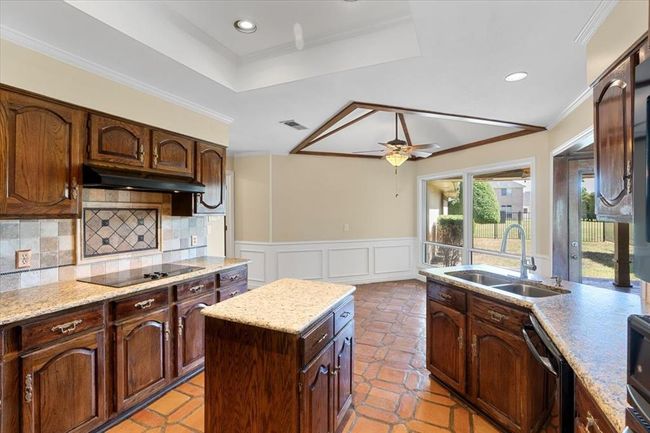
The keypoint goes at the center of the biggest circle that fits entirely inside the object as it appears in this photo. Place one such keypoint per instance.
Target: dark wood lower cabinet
(317, 394)
(344, 367)
(142, 348)
(446, 344)
(63, 387)
(190, 330)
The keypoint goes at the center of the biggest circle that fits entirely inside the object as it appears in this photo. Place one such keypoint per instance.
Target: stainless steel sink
(480, 277)
(530, 290)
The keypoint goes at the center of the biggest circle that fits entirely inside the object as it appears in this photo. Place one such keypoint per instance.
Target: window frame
(467, 175)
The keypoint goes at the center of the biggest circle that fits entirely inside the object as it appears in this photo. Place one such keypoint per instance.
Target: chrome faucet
(525, 265)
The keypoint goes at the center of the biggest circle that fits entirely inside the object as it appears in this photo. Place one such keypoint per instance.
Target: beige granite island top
(286, 305)
(22, 304)
(588, 325)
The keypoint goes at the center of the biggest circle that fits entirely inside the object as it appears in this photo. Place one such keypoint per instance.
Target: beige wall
(252, 197)
(578, 121)
(626, 23)
(30, 70)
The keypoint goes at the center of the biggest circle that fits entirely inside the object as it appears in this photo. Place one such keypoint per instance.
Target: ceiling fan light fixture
(245, 26)
(396, 158)
(516, 76)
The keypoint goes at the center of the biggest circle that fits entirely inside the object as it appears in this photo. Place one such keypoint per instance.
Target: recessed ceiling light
(516, 76)
(245, 26)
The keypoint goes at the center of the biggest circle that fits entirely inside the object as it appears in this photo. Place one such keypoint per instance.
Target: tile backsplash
(54, 243)
(109, 231)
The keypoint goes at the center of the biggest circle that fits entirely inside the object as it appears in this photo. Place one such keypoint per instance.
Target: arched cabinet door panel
(117, 143)
(613, 143)
(63, 388)
(172, 153)
(40, 154)
(210, 171)
(446, 353)
(317, 394)
(343, 383)
(190, 331)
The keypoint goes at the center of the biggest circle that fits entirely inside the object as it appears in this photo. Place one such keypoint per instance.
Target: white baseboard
(349, 261)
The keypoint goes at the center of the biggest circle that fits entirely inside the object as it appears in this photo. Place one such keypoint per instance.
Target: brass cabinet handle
(74, 189)
(166, 328)
(345, 314)
(155, 156)
(460, 339)
(143, 305)
(335, 371)
(591, 422)
(446, 296)
(474, 345)
(198, 288)
(141, 151)
(233, 293)
(29, 388)
(496, 316)
(233, 277)
(67, 328)
(324, 336)
(628, 177)
(180, 326)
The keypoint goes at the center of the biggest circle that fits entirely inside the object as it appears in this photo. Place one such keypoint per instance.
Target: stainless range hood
(96, 177)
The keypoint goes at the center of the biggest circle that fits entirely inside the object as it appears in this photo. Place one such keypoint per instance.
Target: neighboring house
(511, 197)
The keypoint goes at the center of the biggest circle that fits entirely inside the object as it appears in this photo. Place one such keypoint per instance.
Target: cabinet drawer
(231, 291)
(45, 331)
(199, 286)
(317, 338)
(499, 315)
(343, 315)
(589, 417)
(455, 298)
(137, 304)
(233, 276)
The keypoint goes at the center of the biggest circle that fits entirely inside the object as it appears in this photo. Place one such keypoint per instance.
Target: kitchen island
(279, 359)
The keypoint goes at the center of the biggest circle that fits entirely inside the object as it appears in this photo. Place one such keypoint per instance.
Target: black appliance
(141, 275)
(96, 177)
(641, 165)
(638, 373)
(553, 361)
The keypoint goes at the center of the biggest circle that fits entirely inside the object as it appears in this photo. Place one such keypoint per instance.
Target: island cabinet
(589, 418)
(40, 154)
(262, 380)
(471, 342)
(613, 95)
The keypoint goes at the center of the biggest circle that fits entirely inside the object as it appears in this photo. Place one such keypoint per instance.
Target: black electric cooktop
(141, 275)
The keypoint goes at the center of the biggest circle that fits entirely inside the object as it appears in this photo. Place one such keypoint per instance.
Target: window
(499, 199)
(444, 232)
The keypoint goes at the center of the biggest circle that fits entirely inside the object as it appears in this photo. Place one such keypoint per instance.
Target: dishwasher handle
(546, 363)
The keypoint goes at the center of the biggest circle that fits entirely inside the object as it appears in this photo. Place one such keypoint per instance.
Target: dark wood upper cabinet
(117, 143)
(344, 362)
(63, 388)
(142, 364)
(210, 171)
(613, 143)
(317, 396)
(40, 153)
(190, 330)
(446, 354)
(172, 153)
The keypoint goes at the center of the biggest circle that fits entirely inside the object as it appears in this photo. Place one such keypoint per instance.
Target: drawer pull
(233, 293)
(446, 296)
(320, 340)
(67, 328)
(345, 314)
(28, 388)
(233, 277)
(166, 328)
(591, 422)
(496, 316)
(143, 305)
(460, 339)
(180, 326)
(195, 289)
(335, 371)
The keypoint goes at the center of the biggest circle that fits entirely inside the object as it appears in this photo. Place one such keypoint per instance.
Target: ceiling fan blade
(421, 154)
(425, 146)
(371, 151)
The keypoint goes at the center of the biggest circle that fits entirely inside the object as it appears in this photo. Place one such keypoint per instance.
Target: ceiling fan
(397, 151)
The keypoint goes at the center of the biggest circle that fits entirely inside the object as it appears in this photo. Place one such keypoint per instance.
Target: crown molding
(569, 108)
(595, 20)
(49, 50)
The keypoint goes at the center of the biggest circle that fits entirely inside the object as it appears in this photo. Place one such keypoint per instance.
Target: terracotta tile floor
(393, 392)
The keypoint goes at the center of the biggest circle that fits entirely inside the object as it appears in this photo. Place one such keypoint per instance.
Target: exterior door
(496, 373)
(210, 171)
(116, 143)
(40, 154)
(63, 387)
(172, 153)
(344, 353)
(613, 144)
(190, 333)
(142, 357)
(317, 394)
(446, 345)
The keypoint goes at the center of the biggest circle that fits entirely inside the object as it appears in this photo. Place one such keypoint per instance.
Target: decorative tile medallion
(114, 231)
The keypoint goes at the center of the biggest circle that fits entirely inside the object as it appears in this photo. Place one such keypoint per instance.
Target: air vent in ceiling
(293, 124)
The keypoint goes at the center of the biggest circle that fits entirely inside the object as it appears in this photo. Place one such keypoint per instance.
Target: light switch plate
(194, 240)
(23, 259)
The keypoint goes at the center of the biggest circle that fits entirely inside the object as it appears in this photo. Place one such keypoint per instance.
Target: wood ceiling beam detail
(405, 129)
(350, 123)
(325, 126)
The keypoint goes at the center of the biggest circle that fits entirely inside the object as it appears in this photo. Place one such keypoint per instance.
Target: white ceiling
(439, 56)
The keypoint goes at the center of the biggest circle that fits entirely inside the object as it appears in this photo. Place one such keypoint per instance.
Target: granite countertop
(22, 304)
(286, 305)
(588, 325)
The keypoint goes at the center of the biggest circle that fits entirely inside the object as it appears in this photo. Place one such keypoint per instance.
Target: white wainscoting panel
(350, 261)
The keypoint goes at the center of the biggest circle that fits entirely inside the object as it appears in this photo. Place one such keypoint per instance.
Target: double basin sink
(531, 289)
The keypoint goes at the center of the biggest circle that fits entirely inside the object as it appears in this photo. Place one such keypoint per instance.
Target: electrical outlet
(194, 240)
(23, 259)
(346, 227)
